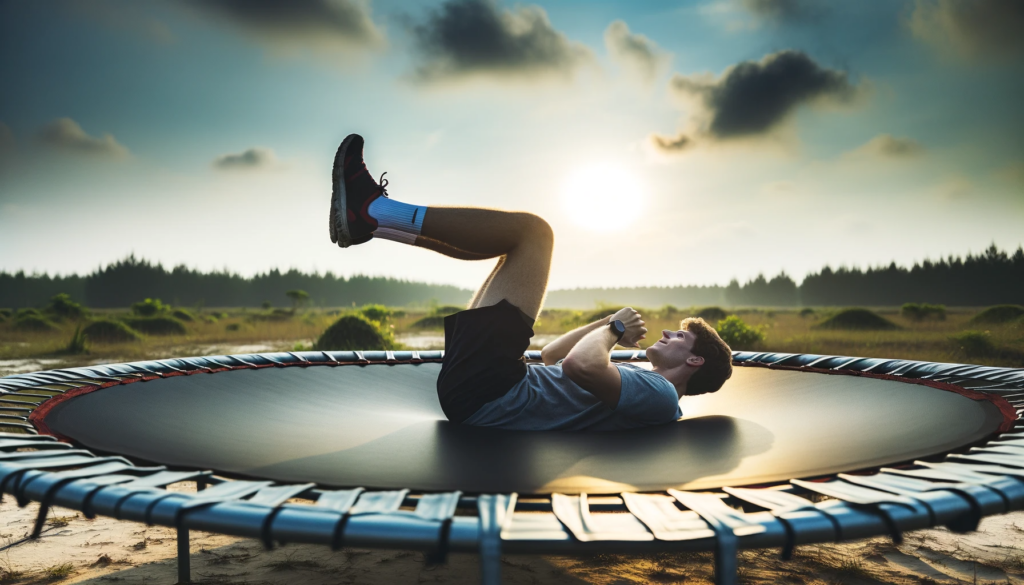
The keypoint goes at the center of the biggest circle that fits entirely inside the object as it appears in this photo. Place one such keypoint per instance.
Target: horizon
(723, 138)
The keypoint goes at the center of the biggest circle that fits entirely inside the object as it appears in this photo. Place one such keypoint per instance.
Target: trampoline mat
(380, 426)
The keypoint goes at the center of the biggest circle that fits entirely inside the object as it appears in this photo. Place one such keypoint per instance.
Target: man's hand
(635, 330)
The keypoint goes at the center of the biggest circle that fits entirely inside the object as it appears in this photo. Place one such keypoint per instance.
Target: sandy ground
(76, 550)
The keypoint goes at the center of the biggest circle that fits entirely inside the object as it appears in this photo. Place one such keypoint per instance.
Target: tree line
(989, 278)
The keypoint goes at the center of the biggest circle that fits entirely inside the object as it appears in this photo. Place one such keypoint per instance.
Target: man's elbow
(574, 370)
(547, 356)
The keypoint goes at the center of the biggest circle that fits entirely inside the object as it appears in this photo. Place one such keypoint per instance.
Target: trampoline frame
(954, 490)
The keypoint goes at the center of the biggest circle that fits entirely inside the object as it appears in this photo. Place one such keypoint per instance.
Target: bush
(182, 315)
(6, 313)
(974, 343)
(738, 334)
(429, 322)
(922, 311)
(149, 308)
(27, 313)
(807, 312)
(76, 345)
(107, 331)
(30, 322)
(445, 310)
(233, 327)
(354, 332)
(273, 315)
(378, 313)
(157, 325)
(62, 307)
(999, 314)
(711, 314)
(858, 319)
(669, 312)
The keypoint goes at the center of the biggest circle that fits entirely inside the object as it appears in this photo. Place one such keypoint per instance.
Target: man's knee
(538, 228)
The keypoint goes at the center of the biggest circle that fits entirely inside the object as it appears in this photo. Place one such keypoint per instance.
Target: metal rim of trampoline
(956, 491)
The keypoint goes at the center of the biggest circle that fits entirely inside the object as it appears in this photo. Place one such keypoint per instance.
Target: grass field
(784, 330)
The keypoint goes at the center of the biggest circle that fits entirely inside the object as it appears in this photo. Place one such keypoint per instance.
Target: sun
(602, 197)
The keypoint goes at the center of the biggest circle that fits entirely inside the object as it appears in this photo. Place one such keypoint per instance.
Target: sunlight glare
(602, 198)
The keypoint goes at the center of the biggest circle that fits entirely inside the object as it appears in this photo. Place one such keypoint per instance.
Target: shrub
(378, 313)
(710, 314)
(429, 322)
(860, 319)
(33, 322)
(922, 311)
(182, 315)
(76, 345)
(669, 312)
(354, 332)
(738, 334)
(149, 308)
(107, 331)
(27, 312)
(273, 315)
(974, 343)
(572, 320)
(807, 312)
(445, 310)
(233, 327)
(62, 307)
(157, 325)
(999, 314)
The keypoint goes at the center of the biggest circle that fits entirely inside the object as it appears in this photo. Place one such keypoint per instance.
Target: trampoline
(892, 445)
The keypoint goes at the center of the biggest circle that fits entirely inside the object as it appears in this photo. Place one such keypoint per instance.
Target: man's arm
(589, 362)
(560, 347)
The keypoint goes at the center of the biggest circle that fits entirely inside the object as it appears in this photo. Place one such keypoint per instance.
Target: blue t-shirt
(546, 399)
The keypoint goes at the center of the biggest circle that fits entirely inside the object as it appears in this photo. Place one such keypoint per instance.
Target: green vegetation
(27, 313)
(857, 319)
(77, 345)
(999, 314)
(974, 344)
(378, 313)
(156, 325)
(354, 332)
(149, 308)
(435, 320)
(298, 297)
(923, 311)
(738, 334)
(712, 314)
(62, 307)
(61, 571)
(5, 314)
(807, 312)
(33, 322)
(109, 331)
(182, 315)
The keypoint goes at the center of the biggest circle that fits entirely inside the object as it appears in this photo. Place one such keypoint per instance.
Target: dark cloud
(253, 158)
(753, 98)
(66, 135)
(970, 28)
(634, 52)
(471, 37)
(783, 10)
(889, 146)
(316, 24)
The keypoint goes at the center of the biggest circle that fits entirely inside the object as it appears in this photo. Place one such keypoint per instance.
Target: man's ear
(695, 361)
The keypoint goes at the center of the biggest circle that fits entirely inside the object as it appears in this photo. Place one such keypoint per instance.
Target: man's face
(674, 349)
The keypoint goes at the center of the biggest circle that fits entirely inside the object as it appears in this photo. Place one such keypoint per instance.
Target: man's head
(694, 357)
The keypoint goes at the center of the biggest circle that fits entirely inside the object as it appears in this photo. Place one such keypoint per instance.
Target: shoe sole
(340, 198)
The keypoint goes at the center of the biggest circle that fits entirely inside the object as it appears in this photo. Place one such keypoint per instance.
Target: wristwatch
(618, 329)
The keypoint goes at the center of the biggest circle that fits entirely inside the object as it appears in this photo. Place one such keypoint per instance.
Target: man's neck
(676, 376)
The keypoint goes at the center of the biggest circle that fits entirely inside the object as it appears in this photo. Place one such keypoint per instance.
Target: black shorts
(483, 357)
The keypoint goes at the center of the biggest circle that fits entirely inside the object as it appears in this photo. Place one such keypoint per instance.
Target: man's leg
(522, 241)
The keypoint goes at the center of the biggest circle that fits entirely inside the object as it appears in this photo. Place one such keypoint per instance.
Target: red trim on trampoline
(1005, 408)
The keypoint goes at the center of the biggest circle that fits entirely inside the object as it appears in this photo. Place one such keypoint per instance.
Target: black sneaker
(353, 192)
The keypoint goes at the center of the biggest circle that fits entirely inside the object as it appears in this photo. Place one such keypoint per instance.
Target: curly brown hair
(717, 356)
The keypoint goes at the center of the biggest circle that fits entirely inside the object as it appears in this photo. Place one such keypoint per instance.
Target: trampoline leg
(184, 568)
(726, 562)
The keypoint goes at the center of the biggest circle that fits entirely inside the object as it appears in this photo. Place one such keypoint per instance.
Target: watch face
(618, 327)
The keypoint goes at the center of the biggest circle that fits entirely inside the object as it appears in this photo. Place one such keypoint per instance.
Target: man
(484, 380)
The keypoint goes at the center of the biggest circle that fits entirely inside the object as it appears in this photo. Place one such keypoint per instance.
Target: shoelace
(383, 184)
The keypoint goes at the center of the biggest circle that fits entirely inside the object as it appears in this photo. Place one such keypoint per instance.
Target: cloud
(251, 159)
(753, 98)
(894, 147)
(66, 135)
(127, 15)
(634, 52)
(783, 10)
(970, 28)
(301, 24)
(466, 38)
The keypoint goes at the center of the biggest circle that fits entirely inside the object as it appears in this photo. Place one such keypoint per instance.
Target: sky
(667, 143)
